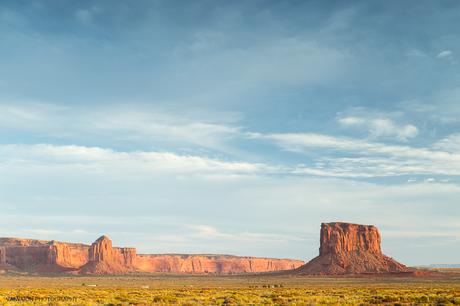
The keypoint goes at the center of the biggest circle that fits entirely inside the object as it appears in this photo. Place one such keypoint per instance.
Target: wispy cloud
(210, 144)
(117, 124)
(440, 108)
(366, 159)
(445, 54)
(451, 143)
(176, 214)
(209, 232)
(380, 127)
(107, 159)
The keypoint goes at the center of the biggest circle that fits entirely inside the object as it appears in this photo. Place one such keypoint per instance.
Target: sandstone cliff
(225, 264)
(350, 249)
(41, 256)
(105, 259)
(37, 256)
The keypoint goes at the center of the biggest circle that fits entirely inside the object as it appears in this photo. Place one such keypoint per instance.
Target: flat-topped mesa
(39, 256)
(214, 264)
(339, 237)
(350, 249)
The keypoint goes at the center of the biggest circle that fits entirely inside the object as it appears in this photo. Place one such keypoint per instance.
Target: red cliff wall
(37, 255)
(67, 255)
(102, 258)
(350, 249)
(212, 264)
(337, 238)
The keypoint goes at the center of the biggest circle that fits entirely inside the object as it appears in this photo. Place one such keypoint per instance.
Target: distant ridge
(40, 256)
(447, 266)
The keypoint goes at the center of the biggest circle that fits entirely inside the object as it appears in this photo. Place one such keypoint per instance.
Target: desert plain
(254, 289)
(349, 270)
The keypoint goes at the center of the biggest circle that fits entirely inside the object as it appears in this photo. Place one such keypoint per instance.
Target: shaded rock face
(101, 257)
(350, 249)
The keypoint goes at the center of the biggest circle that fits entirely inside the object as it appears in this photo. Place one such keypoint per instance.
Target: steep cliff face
(41, 256)
(337, 238)
(101, 250)
(350, 249)
(102, 258)
(218, 264)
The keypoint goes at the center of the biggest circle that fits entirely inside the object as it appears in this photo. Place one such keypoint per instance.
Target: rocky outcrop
(37, 256)
(41, 256)
(350, 249)
(338, 238)
(219, 264)
(105, 259)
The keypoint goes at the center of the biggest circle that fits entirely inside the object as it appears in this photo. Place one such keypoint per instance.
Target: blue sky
(231, 127)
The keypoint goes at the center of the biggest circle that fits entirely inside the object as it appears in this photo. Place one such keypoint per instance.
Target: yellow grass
(226, 290)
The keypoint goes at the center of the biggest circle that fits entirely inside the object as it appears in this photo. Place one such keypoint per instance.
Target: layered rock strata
(37, 256)
(220, 264)
(347, 248)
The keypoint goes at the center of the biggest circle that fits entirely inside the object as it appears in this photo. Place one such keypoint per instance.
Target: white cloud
(334, 156)
(440, 108)
(366, 159)
(118, 123)
(209, 232)
(106, 159)
(352, 121)
(451, 143)
(444, 54)
(381, 127)
(177, 209)
(162, 127)
(32, 117)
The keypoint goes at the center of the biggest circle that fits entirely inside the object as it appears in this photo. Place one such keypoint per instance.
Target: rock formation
(105, 259)
(220, 264)
(37, 256)
(41, 256)
(350, 249)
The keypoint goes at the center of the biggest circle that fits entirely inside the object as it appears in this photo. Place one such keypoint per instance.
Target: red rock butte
(347, 248)
(38, 256)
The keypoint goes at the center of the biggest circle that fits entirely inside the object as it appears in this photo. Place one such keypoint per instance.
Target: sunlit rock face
(220, 264)
(31, 255)
(103, 258)
(37, 256)
(347, 248)
(338, 238)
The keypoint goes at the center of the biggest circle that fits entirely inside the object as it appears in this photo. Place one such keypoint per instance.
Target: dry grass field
(228, 290)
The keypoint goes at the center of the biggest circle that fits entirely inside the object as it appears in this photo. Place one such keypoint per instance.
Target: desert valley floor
(257, 289)
(349, 270)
